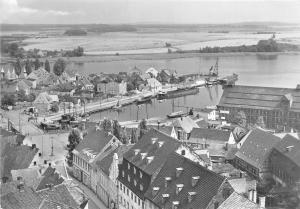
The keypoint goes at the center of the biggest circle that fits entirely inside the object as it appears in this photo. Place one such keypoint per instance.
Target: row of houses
(158, 171)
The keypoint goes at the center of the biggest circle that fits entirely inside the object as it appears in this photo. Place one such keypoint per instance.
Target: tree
(18, 67)
(143, 127)
(74, 139)
(116, 129)
(59, 67)
(37, 64)
(28, 67)
(47, 66)
(106, 125)
(8, 99)
(21, 95)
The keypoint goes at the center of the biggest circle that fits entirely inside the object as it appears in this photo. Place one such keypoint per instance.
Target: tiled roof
(94, 141)
(238, 201)
(259, 97)
(105, 163)
(210, 134)
(205, 188)
(31, 176)
(256, 147)
(144, 145)
(165, 129)
(12, 198)
(294, 152)
(50, 176)
(16, 157)
(186, 123)
(58, 194)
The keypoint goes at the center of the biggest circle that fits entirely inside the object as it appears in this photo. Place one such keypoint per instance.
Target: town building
(236, 200)
(253, 155)
(152, 72)
(166, 76)
(94, 145)
(274, 108)
(107, 174)
(285, 161)
(182, 183)
(40, 75)
(184, 127)
(44, 101)
(154, 85)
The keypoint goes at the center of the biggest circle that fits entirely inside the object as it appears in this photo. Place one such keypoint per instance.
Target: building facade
(272, 108)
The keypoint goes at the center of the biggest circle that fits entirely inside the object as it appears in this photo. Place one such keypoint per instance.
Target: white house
(123, 88)
(154, 85)
(152, 72)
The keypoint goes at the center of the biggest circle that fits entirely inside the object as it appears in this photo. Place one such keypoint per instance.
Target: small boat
(176, 114)
(143, 100)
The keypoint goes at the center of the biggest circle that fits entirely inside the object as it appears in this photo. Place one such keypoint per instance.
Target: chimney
(190, 196)
(45, 162)
(160, 144)
(183, 152)
(40, 154)
(179, 187)
(251, 193)
(136, 152)
(155, 191)
(34, 163)
(33, 146)
(149, 159)
(165, 198)
(178, 172)
(143, 155)
(153, 140)
(167, 181)
(289, 148)
(195, 180)
(49, 164)
(262, 202)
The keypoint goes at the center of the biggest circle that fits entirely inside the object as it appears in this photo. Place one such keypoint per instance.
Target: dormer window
(165, 197)
(141, 174)
(128, 166)
(155, 191)
(190, 196)
(160, 143)
(128, 178)
(154, 140)
(175, 204)
(149, 159)
(134, 170)
(136, 151)
(143, 155)
(179, 187)
(123, 174)
(134, 182)
(167, 181)
(195, 179)
(178, 171)
(141, 187)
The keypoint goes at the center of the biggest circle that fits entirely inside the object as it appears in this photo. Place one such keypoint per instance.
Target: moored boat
(176, 114)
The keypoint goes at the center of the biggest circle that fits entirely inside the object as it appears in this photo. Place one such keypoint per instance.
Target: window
(127, 192)
(128, 178)
(134, 181)
(141, 187)
(141, 174)
(124, 189)
(128, 166)
(120, 187)
(139, 202)
(131, 196)
(134, 170)
(135, 198)
(123, 174)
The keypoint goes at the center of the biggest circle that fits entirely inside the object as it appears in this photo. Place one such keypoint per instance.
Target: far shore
(153, 56)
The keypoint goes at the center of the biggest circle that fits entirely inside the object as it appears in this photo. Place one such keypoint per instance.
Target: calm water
(275, 71)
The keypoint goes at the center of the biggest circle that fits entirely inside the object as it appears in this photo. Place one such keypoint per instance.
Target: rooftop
(236, 200)
(260, 97)
(146, 145)
(256, 147)
(183, 182)
(212, 134)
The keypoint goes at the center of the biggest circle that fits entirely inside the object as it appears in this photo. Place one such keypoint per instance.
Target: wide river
(274, 71)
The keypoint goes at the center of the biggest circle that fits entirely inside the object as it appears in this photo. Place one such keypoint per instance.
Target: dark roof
(49, 177)
(236, 200)
(259, 97)
(95, 141)
(159, 153)
(212, 134)
(58, 194)
(105, 163)
(294, 152)
(165, 129)
(256, 147)
(12, 198)
(16, 157)
(206, 187)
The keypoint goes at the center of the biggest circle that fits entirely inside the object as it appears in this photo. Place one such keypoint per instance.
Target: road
(96, 106)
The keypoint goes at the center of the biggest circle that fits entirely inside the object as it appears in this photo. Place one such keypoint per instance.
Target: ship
(176, 114)
(143, 100)
(179, 92)
(213, 70)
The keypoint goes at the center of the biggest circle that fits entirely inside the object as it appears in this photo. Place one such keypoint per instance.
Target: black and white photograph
(150, 104)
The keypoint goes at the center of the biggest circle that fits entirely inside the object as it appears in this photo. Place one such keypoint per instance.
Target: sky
(147, 11)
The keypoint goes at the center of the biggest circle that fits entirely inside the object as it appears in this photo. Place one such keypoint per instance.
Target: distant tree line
(269, 45)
